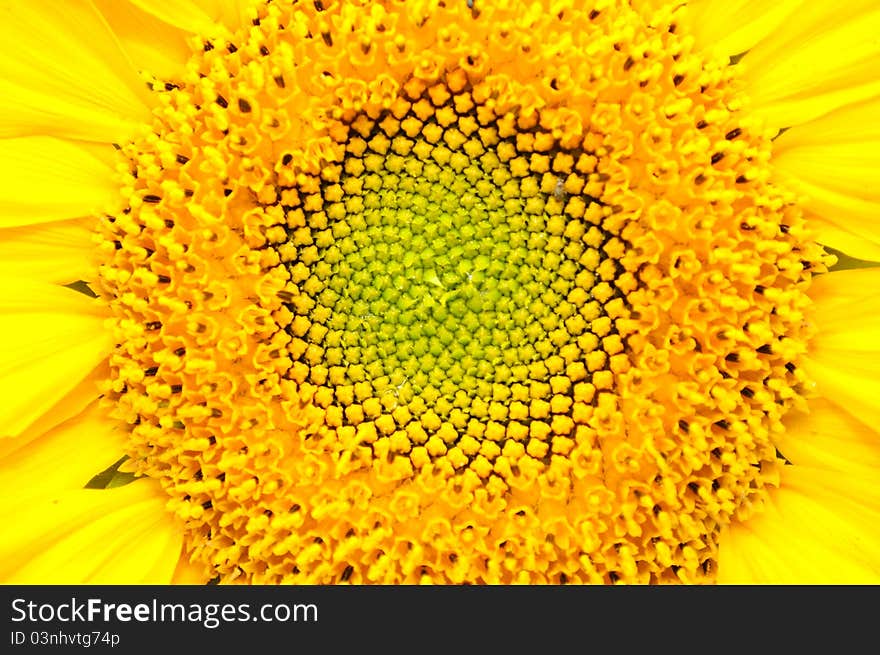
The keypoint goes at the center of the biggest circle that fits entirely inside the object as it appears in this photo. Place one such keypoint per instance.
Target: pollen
(403, 293)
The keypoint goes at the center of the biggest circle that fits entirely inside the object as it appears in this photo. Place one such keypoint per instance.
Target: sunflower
(453, 292)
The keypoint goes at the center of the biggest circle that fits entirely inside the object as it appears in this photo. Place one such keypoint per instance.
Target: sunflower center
(449, 280)
(455, 293)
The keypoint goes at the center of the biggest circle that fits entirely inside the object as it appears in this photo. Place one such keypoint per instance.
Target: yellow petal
(832, 234)
(65, 458)
(51, 338)
(47, 179)
(848, 382)
(153, 45)
(209, 18)
(730, 27)
(836, 292)
(71, 404)
(59, 251)
(844, 356)
(822, 57)
(91, 536)
(63, 74)
(834, 163)
(829, 437)
(819, 527)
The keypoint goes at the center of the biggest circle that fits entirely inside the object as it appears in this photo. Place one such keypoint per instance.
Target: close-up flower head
(440, 291)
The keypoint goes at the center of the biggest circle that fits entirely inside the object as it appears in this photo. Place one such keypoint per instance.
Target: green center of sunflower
(450, 279)
(407, 293)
